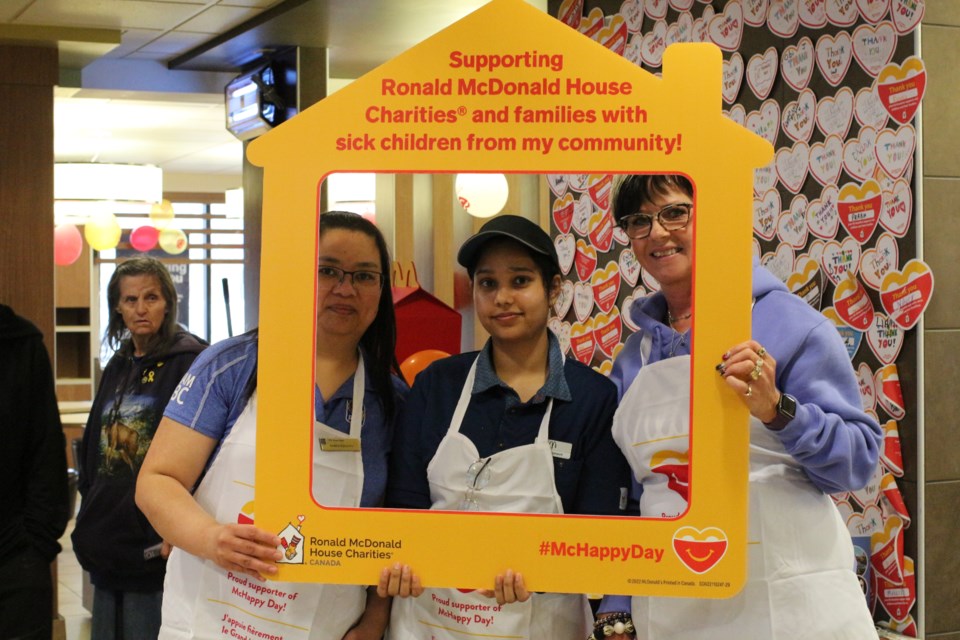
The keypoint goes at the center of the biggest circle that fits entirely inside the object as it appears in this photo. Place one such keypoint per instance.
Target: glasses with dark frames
(671, 217)
(329, 277)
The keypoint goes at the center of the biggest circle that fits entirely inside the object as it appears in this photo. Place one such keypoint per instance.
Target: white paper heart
(649, 281)
(578, 181)
(840, 259)
(823, 219)
(798, 116)
(632, 12)
(761, 72)
(653, 44)
(868, 398)
(792, 166)
(738, 114)
(701, 32)
(632, 51)
(582, 210)
(561, 329)
(681, 30)
(826, 160)
(732, 77)
(783, 17)
(813, 13)
(754, 12)
(906, 14)
(873, 10)
(755, 249)
(582, 300)
(873, 47)
(764, 179)
(655, 9)
(765, 122)
(779, 262)
(833, 56)
(859, 154)
(842, 13)
(638, 294)
(566, 246)
(681, 5)
(885, 338)
(629, 267)
(897, 208)
(815, 250)
(766, 210)
(562, 304)
(868, 109)
(796, 64)
(558, 183)
(726, 29)
(877, 262)
(894, 149)
(792, 223)
(835, 113)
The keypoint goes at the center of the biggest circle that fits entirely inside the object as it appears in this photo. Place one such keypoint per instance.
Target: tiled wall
(940, 41)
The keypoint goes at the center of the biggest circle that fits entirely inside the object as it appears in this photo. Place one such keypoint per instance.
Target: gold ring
(749, 390)
(759, 363)
(762, 352)
(756, 373)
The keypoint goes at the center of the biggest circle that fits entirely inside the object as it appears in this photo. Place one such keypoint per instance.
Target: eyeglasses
(671, 217)
(478, 477)
(329, 277)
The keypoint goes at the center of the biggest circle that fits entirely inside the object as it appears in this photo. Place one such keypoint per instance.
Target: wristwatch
(786, 411)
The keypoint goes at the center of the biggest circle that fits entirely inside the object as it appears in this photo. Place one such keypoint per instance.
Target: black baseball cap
(516, 228)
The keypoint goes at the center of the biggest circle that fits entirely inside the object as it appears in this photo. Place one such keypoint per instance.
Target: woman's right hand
(243, 548)
(399, 580)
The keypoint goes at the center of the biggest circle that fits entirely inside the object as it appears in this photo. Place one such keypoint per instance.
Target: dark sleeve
(407, 485)
(605, 475)
(46, 505)
(87, 459)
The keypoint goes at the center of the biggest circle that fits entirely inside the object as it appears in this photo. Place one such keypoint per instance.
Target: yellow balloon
(102, 231)
(161, 214)
(173, 241)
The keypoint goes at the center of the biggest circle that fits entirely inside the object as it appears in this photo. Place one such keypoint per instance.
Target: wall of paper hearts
(834, 85)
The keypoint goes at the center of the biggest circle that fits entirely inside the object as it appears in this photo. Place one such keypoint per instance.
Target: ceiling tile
(217, 19)
(122, 14)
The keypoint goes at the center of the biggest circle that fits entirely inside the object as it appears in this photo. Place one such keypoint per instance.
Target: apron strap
(359, 384)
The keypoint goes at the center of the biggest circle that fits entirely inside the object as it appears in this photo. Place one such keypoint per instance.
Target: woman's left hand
(399, 580)
(508, 588)
(750, 370)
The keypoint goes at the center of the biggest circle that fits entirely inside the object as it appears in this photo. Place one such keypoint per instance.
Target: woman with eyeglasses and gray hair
(809, 437)
(208, 434)
(515, 427)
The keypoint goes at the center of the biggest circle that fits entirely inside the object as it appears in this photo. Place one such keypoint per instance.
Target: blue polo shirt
(591, 481)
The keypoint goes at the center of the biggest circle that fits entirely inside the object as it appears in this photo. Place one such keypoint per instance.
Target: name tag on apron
(561, 450)
(339, 444)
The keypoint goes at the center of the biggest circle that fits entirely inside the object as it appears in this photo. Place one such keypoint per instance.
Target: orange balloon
(419, 361)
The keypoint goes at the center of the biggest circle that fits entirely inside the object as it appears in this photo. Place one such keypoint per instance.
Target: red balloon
(419, 361)
(144, 238)
(67, 244)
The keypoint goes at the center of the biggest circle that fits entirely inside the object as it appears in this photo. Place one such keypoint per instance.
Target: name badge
(560, 449)
(339, 444)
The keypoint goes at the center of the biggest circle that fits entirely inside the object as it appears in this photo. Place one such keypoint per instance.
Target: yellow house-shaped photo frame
(510, 89)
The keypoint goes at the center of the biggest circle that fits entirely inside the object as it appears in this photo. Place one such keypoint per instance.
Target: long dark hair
(117, 336)
(630, 192)
(379, 342)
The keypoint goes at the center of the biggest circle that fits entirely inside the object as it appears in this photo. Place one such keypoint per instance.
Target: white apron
(800, 583)
(201, 600)
(520, 481)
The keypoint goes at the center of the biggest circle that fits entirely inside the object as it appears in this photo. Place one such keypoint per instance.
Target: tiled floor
(69, 591)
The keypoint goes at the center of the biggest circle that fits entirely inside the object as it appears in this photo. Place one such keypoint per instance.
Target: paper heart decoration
(839, 259)
(798, 117)
(805, 281)
(563, 211)
(899, 599)
(605, 367)
(585, 260)
(571, 12)
(699, 549)
(649, 281)
(582, 342)
(591, 23)
(894, 150)
(560, 329)
(783, 17)
(843, 506)
(873, 47)
(738, 114)
(632, 52)
(578, 181)
(852, 304)
(620, 236)
(582, 210)
(653, 44)
(566, 246)
(627, 306)
(796, 64)
(835, 114)
(833, 56)
(780, 262)
(813, 13)
(761, 72)
(558, 184)
(891, 454)
(889, 393)
(732, 77)
(755, 249)
(754, 12)
(599, 187)
(726, 29)
(873, 10)
(766, 210)
(900, 88)
(869, 495)
(886, 551)
(632, 12)
(815, 250)
(792, 166)
(700, 33)
(564, 299)
(655, 9)
(792, 223)
(892, 500)
(842, 13)
(876, 263)
(681, 5)
(681, 30)
(850, 336)
(765, 122)
(613, 35)
(859, 209)
(907, 628)
(607, 330)
(826, 160)
(860, 154)
(869, 110)
(905, 294)
(865, 523)
(764, 179)
(582, 300)
(606, 286)
(629, 267)
(601, 231)
(897, 208)
(906, 14)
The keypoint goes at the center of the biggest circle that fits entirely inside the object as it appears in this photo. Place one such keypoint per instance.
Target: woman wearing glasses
(808, 437)
(209, 431)
(513, 428)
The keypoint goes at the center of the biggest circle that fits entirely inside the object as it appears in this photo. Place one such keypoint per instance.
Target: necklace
(672, 320)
